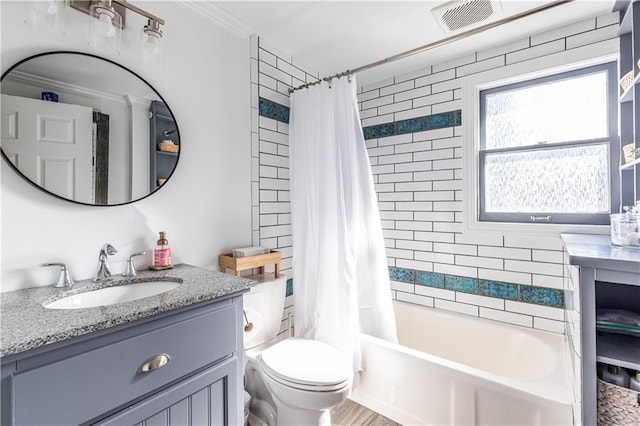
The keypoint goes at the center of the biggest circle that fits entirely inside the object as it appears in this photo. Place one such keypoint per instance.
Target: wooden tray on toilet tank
(238, 264)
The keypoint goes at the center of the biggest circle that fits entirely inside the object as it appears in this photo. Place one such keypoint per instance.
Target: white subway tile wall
(271, 77)
(419, 183)
(417, 169)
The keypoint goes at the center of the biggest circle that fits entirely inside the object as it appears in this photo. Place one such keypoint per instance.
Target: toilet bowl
(292, 381)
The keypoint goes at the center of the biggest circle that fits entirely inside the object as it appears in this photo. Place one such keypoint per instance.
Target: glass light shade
(46, 16)
(106, 29)
(151, 44)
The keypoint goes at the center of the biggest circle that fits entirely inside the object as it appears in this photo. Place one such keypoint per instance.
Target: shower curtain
(340, 270)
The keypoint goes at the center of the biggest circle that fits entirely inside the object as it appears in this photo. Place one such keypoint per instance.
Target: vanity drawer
(80, 387)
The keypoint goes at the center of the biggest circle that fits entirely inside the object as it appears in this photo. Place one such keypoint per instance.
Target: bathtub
(451, 369)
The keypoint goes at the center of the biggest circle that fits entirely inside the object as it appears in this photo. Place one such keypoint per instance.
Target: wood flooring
(350, 413)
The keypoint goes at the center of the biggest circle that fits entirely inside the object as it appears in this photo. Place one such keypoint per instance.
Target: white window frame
(563, 61)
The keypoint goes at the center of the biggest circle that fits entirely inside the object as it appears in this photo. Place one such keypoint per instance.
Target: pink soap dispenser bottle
(162, 252)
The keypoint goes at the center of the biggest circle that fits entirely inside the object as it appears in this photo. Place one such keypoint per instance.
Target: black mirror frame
(27, 179)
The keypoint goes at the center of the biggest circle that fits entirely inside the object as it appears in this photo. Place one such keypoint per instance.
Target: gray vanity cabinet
(198, 400)
(609, 277)
(99, 379)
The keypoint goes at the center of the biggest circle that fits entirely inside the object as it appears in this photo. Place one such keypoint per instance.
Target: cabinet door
(207, 398)
(91, 383)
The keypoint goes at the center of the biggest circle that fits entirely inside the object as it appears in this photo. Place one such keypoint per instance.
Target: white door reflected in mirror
(47, 142)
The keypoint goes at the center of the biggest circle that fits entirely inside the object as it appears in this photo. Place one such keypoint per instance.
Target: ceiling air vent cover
(458, 14)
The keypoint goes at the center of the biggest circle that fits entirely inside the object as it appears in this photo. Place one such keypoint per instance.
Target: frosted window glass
(571, 109)
(563, 180)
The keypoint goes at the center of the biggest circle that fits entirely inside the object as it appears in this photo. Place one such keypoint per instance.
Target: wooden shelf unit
(239, 264)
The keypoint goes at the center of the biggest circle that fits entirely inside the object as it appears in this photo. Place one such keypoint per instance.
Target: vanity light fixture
(46, 16)
(151, 44)
(105, 29)
(109, 18)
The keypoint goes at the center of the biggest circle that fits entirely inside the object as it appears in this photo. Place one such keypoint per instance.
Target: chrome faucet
(104, 272)
(64, 280)
(131, 268)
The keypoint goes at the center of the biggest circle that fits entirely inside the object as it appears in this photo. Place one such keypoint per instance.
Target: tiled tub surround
(272, 75)
(418, 170)
(413, 129)
(25, 324)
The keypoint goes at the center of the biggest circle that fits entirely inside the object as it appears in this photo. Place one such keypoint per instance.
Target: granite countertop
(25, 324)
(598, 252)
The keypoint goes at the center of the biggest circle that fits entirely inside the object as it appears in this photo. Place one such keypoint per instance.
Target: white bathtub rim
(547, 340)
(557, 342)
(540, 388)
(462, 371)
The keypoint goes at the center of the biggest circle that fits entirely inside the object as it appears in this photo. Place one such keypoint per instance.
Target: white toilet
(292, 381)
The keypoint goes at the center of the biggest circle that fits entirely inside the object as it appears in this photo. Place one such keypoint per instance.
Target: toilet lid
(306, 362)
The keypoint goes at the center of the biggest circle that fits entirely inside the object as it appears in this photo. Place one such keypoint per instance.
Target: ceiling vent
(460, 14)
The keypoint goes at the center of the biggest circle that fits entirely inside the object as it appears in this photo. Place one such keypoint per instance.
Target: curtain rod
(435, 44)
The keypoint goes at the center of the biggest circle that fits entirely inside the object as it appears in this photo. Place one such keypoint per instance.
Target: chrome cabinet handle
(540, 218)
(153, 363)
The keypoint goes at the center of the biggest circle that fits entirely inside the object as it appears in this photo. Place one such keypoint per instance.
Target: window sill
(545, 229)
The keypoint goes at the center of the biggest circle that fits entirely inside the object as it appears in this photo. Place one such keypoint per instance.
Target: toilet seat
(307, 365)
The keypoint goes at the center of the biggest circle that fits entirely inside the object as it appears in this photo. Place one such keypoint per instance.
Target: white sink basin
(112, 295)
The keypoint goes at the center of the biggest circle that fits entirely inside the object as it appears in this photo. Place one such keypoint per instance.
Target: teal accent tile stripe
(499, 289)
(508, 291)
(289, 287)
(463, 284)
(274, 110)
(402, 275)
(418, 124)
(270, 109)
(430, 279)
(541, 296)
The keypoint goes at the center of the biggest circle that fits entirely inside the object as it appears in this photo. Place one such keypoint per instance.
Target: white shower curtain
(339, 263)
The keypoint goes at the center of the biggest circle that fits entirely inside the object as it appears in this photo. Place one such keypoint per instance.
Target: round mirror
(86, 129)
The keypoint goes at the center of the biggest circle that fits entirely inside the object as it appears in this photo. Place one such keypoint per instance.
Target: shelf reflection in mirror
(95, 139)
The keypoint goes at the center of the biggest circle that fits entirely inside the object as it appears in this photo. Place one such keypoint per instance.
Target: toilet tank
(263, 306)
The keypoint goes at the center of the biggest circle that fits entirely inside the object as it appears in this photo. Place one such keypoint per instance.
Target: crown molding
(48, 84)
(219, 16)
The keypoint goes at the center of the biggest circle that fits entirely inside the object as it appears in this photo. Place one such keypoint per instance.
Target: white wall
(206, 206)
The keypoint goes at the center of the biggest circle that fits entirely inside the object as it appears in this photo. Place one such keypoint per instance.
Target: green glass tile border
(412, 125)
(501, 290)
(276, 111)
(289, 287)
(508, 291)
(270, 109)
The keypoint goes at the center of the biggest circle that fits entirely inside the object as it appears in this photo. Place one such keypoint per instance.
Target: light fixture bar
(119, 5)
(139, 11)
(85, 5)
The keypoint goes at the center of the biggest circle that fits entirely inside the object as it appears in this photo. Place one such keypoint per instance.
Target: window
(548, 149)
